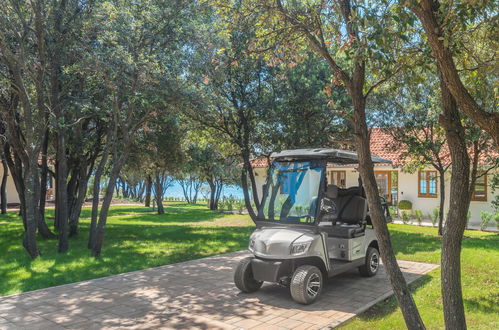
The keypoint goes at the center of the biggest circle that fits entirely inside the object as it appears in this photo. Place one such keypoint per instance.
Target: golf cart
(308, 230)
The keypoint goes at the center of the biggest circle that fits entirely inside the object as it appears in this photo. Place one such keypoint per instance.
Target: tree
(444, 26)
(23, 56)
(301, 96)
(215, 167)
(462, 42)
(141, 73)
(357, 42)
(234, 87)
(412, 120)
(159, 155)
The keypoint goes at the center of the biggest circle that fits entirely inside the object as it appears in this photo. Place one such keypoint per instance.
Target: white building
(421, 188)
(12, 195)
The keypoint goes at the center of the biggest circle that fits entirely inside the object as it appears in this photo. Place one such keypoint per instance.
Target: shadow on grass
(390, 305)
(126, 248)
(484, 304)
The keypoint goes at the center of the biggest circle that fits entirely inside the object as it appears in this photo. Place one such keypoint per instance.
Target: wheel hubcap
(374, 262)
(313, 285)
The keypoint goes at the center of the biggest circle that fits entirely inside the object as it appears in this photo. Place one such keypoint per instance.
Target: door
(338, 178)
(384, 182)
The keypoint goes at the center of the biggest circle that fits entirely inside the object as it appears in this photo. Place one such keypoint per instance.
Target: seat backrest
(332, 191)
(353, 209)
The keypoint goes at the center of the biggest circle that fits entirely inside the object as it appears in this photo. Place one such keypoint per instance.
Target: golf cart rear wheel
(243, 277)
(371, 265)
(306, 284)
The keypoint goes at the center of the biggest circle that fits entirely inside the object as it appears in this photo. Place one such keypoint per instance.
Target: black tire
(243, 277)
(371, 264)
(302, 285)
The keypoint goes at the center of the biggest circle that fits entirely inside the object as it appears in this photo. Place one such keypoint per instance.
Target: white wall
(408, 190)
(12, 196)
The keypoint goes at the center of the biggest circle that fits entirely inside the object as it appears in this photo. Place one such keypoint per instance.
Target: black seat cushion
(344, 231)
(353, 210)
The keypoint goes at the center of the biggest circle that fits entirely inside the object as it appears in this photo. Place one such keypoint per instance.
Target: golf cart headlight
(251, 244)
(300, 248)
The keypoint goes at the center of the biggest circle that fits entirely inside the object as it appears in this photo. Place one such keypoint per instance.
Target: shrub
(406, 216)
(404, 205)
(240, 206)
(434, 215)
(418, 214)
(230, 204)
(496, 218)
(299, 210)
(485, 217)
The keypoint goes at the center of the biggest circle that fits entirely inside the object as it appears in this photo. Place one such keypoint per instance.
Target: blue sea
(227, 191)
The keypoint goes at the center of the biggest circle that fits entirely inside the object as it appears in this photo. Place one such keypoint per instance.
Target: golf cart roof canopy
(330, 155)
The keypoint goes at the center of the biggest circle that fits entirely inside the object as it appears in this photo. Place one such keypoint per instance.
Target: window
(338, 178)
(427, 183)
(385, 182)
(480, 189)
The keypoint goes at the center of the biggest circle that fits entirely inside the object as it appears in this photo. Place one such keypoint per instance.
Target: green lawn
(480, 280)
(137, 238)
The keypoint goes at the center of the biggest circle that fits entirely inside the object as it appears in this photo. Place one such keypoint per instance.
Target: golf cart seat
(348, 217)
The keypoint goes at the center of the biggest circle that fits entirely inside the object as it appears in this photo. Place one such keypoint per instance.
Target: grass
(137, 238)
(480, 281)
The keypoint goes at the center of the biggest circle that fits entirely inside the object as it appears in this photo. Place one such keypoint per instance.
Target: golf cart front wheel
(371, 265)
(243, 277)
(306, 284)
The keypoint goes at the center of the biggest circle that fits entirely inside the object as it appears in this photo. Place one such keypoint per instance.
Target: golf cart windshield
(291, 192)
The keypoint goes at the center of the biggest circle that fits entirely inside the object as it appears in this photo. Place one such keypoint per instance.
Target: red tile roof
(382, 145)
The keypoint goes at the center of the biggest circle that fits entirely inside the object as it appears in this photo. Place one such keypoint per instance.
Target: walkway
(194, 294)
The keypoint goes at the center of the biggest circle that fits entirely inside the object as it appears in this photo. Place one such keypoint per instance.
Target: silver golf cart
(308, 230)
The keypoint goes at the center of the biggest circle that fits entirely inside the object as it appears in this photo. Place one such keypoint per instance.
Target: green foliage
(434, 216)
(485, 218)
(406, 217)
(404, 205)
(496, 218)
(418, 214)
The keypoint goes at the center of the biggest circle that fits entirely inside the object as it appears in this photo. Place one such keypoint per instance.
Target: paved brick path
(194, 294)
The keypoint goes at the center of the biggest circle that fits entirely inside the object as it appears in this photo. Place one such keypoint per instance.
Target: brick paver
(193, 294)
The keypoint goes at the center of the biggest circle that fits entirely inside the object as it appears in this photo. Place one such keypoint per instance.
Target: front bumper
(270, 270)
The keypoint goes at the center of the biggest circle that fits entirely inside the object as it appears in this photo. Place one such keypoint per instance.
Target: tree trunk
(366, 169)
(247, 198)
(31, 206)
(74, 216)
(43, 229)
(218, 191)
(455, 225)
(62, 192)
(3, 188)
(442, 202)
(95, 198)
(106, 203)
(158, 194)
(213, 193)
(148, 191)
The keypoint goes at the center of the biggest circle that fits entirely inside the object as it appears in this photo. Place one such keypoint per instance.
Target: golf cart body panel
(306, 227)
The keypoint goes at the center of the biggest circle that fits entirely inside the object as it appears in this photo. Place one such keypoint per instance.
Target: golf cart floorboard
(339, 266)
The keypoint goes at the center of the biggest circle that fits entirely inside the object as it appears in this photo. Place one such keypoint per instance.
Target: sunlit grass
(480, 280)
(136, 238)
